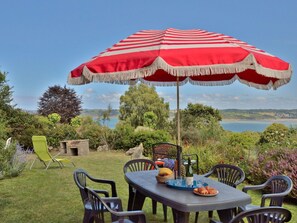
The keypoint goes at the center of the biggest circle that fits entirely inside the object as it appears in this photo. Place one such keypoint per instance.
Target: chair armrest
(207, 174)
(57, 155)
(125, 214)
(104, 181)
(253, 187)
(105, 192)
(269, 196)
(116, 212)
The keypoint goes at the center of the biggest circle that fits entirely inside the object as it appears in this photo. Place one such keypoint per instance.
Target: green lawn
(52, 196)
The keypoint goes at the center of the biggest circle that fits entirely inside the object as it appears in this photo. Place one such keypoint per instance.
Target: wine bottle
(189, 173)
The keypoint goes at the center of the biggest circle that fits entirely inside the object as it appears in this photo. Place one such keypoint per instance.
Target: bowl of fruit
(164, 174)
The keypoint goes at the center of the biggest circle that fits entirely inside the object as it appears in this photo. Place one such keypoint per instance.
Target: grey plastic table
(183, 202)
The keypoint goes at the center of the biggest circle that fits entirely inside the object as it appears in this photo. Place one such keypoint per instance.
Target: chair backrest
(41, 148)
(228, 174)
(97, 206)
(263, 215)
(80, 179)
(165, 150)
(139, 165)
(278, 184)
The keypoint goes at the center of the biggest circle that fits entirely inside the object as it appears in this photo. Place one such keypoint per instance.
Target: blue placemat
(180, 184)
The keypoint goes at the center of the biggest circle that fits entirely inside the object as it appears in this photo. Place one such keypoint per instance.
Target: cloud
(240, 101)
(109, 98)
(94, 99)
(88, 93)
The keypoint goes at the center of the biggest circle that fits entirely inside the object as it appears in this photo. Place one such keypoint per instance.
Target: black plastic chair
(262, 215)
(82, 178)
(101, 205)
(172, 151)
(275, 189)
(165, 150)
(227, 174)
(140, 165)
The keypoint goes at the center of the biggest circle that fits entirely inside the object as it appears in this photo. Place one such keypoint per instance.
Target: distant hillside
(256, 114)
(246, 114)
(99, 112)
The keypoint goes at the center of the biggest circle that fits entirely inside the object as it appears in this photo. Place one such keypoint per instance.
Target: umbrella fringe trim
(186, 71)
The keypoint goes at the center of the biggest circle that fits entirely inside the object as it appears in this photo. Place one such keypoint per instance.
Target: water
(255, 126)
(111, 123)
(234, 126)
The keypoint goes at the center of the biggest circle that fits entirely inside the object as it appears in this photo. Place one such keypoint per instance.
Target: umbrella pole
(178, 129)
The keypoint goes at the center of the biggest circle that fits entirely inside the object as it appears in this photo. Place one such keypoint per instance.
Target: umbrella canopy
(198, 56)
(175, 57)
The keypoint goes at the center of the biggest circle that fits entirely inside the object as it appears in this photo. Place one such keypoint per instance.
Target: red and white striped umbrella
(174, 57)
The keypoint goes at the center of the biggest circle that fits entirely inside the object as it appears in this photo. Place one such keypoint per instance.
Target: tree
(106, 114)
(5, 93)
(199, 123)
(5, 106)
(60, 100)
(140, 99)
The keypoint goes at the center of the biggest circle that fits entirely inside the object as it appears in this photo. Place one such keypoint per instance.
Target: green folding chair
(42, 153)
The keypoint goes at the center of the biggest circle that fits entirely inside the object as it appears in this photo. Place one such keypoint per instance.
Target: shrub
(207, 156)
(60, 132)
(93, 132)
(274, 136)
(123, 135)
(12, 161)
(276, 162)
(149, 138)
(23, 125)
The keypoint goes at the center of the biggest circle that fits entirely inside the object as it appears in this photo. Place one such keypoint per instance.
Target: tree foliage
(140, 99)
(199, 123)
(150, 119)
(5, 93)
(60, 100)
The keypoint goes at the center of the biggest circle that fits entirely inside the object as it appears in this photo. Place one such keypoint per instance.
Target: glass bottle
(189, 173)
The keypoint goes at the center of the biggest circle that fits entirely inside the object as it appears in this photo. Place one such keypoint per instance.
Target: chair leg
(196, 217)
(131, 199)
(88, 218)
(210, 215)
(32, 163)
(154, 206)
(165, 212)
(49, 163)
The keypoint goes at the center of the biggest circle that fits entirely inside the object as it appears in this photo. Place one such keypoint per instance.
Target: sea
(233, 125)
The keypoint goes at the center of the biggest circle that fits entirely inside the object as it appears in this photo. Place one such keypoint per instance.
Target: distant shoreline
(294, 120)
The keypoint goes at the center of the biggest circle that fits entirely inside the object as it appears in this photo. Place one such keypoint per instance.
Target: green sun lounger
(42, 153)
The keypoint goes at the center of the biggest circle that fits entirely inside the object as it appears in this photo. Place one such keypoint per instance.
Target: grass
(52, 196)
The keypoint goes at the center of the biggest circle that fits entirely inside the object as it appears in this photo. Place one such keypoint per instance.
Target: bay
(232, 125)
(254, 125)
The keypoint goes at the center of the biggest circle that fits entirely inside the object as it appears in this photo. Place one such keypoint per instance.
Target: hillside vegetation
(246, 114)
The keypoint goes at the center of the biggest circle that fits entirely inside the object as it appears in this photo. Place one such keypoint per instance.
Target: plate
(205, 195)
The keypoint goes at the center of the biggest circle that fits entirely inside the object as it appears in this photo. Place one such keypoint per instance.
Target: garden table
(183, 202)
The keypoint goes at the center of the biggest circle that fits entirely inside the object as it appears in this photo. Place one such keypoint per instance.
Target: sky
(42, 41)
